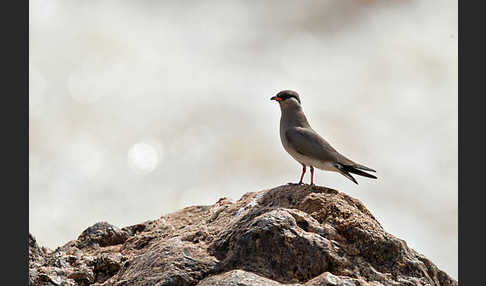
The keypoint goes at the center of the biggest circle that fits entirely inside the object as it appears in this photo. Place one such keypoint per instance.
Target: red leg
(302, 176)
(312, 175)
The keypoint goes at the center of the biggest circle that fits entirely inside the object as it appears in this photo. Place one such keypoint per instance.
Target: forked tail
(345, 170)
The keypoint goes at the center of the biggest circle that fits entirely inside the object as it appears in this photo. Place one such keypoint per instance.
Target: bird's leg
(312, 175)
(302, 176)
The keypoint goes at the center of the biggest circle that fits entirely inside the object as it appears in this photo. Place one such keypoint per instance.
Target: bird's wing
(308, 143)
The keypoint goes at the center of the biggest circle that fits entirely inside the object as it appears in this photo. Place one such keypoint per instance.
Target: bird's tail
(361, 167)
(355, 169)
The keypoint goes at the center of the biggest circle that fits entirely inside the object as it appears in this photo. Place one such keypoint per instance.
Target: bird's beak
(276, 98)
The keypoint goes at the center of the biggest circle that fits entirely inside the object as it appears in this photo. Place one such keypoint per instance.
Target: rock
(101, 234)
(289, 235)
(237, 278)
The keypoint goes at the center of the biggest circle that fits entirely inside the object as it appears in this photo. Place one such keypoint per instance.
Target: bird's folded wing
(308, 143)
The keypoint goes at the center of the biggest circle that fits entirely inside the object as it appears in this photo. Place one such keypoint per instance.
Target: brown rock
(292, 235)
(101, 234)
(237, 278)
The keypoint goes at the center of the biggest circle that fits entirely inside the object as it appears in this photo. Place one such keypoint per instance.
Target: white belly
(327, 166)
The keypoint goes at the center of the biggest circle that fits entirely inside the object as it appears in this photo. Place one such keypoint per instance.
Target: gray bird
(308, 147)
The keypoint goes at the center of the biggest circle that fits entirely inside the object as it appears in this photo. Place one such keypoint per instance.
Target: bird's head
(287, 98)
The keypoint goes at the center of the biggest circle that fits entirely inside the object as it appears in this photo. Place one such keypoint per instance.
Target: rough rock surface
(292, 235)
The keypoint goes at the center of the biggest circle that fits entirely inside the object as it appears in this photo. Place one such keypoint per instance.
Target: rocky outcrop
(292, 235)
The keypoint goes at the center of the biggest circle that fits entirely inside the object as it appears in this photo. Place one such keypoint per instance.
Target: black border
(471, 122)
(15, 140)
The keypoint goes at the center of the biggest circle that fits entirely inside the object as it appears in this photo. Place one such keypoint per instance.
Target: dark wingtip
(357, 166)
(355, 170)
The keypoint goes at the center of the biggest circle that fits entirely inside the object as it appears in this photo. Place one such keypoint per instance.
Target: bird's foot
(295, 184)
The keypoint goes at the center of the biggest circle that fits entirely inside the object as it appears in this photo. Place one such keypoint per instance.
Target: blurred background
(141, 108)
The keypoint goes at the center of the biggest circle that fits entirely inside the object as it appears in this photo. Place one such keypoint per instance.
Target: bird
(306, 146)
